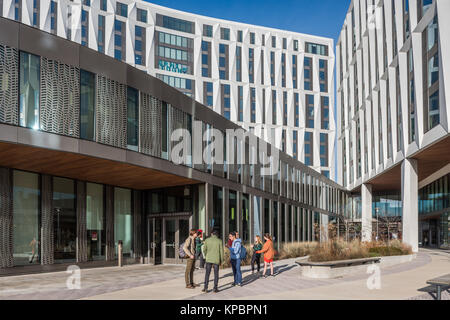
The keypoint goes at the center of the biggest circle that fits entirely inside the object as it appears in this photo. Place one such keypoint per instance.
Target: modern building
(277, 84)
(393, 84)
(85, 161)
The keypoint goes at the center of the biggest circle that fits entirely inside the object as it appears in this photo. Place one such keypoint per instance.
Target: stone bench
(333, 269)
(440, 283)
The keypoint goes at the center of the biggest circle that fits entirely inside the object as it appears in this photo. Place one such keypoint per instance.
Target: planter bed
(335, 269)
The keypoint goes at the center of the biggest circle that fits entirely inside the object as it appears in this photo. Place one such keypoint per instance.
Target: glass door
(154, 241)
(170, 240)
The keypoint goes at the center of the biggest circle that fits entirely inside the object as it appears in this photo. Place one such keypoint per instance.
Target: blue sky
(317, 17)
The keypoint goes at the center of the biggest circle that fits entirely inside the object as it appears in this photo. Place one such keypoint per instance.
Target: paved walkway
(404, 281)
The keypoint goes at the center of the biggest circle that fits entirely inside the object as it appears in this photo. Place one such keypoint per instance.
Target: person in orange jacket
(269, 253)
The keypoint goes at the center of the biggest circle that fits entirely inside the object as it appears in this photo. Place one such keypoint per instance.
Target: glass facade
(87, 105)
(215, 221)
(132, 119)
(245, 218)
(30, 68)
(26, 217)
(95, 221)
(65, 219)
(123, 220)
(232, 205)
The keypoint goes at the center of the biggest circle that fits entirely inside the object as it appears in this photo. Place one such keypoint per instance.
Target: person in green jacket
(256, 257)
(213, 250)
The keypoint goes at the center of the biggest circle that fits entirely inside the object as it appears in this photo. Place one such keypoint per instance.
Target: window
(294, 72)
(26, 215)
(314, 48)
(284, 43)
(175, 24)
(30, 67)
(122, 9)
(95, 221)
(431, 65)
(238, 64)
(132, 119)
(87, 105)
(87, 2)
(139, 45)
(225, 89)
(84, 27)
(123, 220)
(325, 112)
(252, 38)
(18, 10)
(308, 148)
(104, 5)
(184, 85)
(295, 45)
(206, 60)
(241, 103)
(307, 74)
(324, 150)
(239, 36)
(251, 62)
(295, 144)
(274, 107)
(53, 16)
(411, 98)
(36, 7)
(309, 111)
(223, 61)
(101, 34)
(283, 70)
(141, 15)
(224, 33)
(272, 68)
(323, 75)
(208, 94)
(285, 111)
(274, 41)
(119, 40)
(253, 105)
(207, 31)
(297, 112)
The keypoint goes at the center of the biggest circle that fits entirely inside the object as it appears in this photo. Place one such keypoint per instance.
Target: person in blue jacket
(235, 253)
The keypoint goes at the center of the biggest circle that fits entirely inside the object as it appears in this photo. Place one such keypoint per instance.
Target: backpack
(183, 254)
(243, 254)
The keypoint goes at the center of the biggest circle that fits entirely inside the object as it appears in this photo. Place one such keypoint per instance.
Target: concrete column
(323, 228)
(366, 215)
(410, 187)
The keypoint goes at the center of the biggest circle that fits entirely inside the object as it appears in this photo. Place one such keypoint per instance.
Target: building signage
(172, 66)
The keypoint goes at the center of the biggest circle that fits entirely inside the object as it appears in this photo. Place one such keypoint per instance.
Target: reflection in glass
(123, 220)
(170, 239)
(132, 118)
(232, 224)
(26, 218)
(29, 90)
(87, 105)
(215, 222)
(95, 221)
(245, 218)
(266, 216)
(65, 219)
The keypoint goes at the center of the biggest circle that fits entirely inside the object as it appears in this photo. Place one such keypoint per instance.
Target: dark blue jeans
(236, 266)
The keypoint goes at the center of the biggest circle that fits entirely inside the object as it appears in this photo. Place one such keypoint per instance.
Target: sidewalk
(145, 282)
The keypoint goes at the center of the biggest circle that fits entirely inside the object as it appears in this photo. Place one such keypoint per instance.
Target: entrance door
(165, 235)
(154, 240)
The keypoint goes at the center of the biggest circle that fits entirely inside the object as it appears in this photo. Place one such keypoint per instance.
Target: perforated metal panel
(6, 219)
(177, 120)
(60, 98)
(9, 82)
(111, 112)
(150, 125)
(47, 235)
(82, 254)
(110, 246)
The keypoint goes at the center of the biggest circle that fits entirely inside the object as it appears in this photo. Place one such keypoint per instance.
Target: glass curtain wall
(65, 219)
(275, 222)
(95, 221)
(26, 229)
(245, 218)
(283, 222)
(266, 216)
(232, 220)
(123, 220)
(132, 119)
(30, 66)
(215, 222)
(87, 105)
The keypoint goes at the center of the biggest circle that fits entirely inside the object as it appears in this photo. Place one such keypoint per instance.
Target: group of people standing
(210, 253)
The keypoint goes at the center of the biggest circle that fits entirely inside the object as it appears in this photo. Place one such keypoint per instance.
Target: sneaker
(216, 290)
(195, 285)
(190, 287)
(233, 284)
(239, 284)
(205, 290)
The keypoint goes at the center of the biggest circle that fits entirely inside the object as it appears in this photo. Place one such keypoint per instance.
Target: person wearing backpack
(236, 252)
(189, 253)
